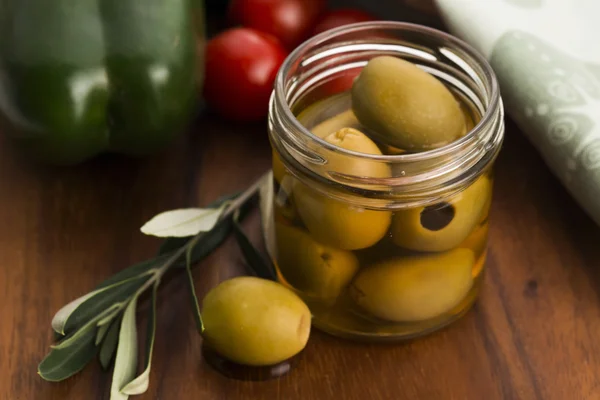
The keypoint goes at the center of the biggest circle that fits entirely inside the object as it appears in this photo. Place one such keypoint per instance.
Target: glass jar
(380, 246)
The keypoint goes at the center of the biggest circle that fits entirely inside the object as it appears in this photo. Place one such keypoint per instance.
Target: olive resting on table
(414, 288)
(255, 322)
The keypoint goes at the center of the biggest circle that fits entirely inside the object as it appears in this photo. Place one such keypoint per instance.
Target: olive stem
(229, 211)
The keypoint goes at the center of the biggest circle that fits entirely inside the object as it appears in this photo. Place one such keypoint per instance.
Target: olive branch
(103, 322)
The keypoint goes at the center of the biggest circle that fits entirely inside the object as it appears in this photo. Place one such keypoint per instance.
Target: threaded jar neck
(416, 178)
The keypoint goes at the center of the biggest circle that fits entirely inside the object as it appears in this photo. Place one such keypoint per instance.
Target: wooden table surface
(532, 335)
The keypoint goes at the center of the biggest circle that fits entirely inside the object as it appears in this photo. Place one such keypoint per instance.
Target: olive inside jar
(381, 193)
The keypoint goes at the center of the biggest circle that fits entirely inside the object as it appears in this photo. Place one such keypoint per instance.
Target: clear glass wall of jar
(387, 246)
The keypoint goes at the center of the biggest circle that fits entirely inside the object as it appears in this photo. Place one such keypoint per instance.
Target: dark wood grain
(532, 335)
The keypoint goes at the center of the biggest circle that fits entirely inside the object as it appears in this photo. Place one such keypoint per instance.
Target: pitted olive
(442, 226)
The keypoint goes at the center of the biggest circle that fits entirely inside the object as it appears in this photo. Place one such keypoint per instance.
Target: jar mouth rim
(474, 133)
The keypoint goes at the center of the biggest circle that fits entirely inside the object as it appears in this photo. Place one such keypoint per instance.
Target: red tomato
(290, 21)
(241, 65)
(340, 17)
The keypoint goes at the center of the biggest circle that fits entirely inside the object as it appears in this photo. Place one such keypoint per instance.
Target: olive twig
(91, 325)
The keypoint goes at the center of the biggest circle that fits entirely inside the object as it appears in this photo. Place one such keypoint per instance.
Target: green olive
(254, 321)
(443, 226)
(346, 119)
(404, 106)
(414, 288)
(313, 268)
(354, 140)
(336, 223)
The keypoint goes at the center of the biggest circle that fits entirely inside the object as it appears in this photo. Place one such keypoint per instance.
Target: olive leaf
(192, 288)
(72, 338)
(60, 318)
(63, 363)
(183, 222)
(209, 241)
(109, 345)
(104, 325)
(257, 263)
(109, 317)
(126, 359)
(71, 317)
(101, 333)
(140, 384)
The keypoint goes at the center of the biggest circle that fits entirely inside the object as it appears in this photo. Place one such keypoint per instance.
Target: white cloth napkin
(546, 54)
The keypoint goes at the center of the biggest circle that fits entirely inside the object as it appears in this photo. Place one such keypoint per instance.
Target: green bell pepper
(82, 77)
